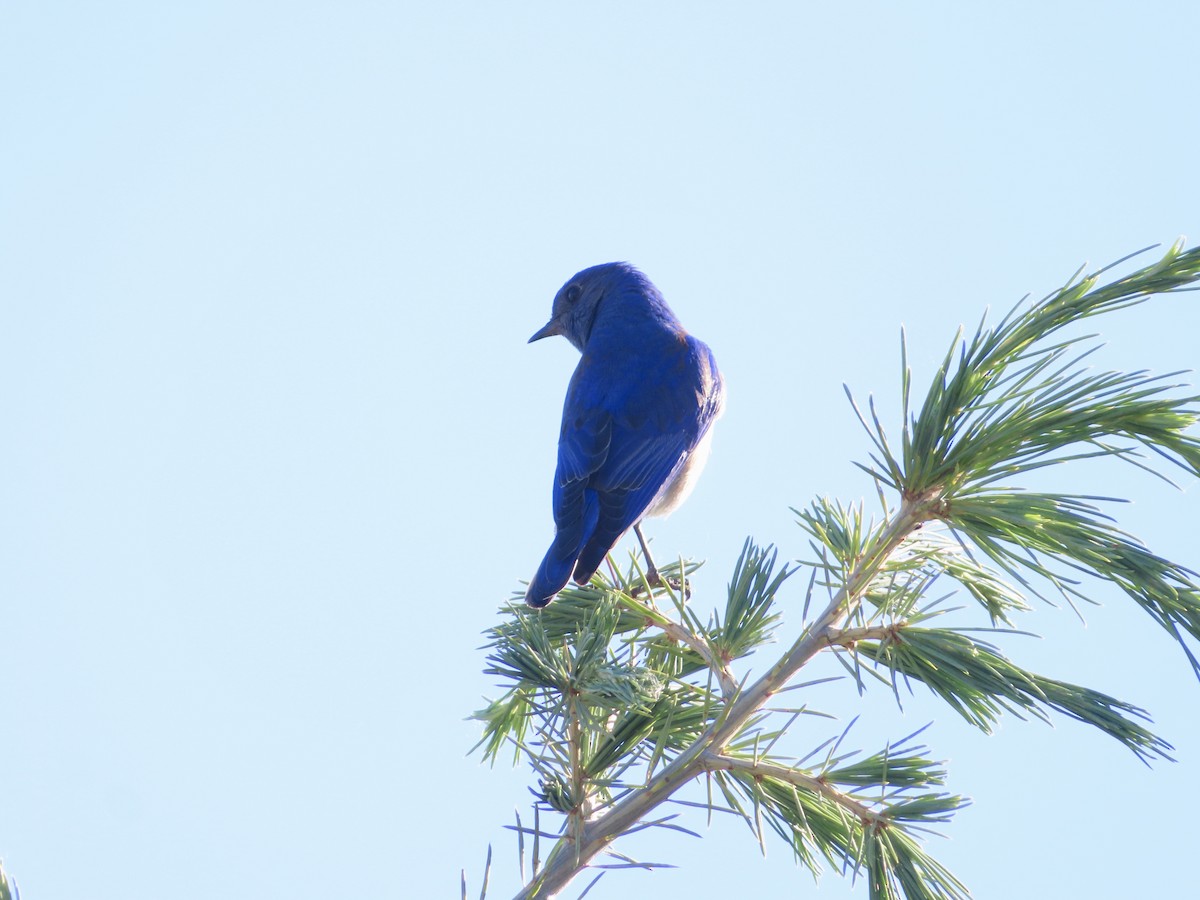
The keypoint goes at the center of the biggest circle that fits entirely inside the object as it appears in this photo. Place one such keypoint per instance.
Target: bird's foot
(654, 579)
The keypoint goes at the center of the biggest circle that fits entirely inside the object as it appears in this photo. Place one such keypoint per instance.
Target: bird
(636, 424)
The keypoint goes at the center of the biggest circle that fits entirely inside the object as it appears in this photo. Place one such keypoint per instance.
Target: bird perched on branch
(636, 422)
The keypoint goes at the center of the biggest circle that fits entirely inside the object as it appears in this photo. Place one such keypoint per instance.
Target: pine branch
(979, 683)
(617, 703)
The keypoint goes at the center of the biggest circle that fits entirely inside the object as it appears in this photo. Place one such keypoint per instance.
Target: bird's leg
(652, 577)
(652, 571)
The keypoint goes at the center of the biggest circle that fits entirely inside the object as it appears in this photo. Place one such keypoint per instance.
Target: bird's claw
(654, 579)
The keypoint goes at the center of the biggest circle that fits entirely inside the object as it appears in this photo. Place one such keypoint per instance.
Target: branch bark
(716, 762)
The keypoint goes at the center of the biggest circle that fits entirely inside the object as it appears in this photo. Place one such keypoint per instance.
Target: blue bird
(636, 422)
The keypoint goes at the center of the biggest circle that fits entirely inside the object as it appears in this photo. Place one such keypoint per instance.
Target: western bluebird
(636, 421)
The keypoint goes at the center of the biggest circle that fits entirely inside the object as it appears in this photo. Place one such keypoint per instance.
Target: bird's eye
(573, 293)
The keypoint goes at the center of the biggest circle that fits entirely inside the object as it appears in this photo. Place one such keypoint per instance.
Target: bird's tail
(555, 571)
(552, 576)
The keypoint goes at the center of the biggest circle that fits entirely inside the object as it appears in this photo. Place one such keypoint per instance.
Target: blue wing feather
(651, 440)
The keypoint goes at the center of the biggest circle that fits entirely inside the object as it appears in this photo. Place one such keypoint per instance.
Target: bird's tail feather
(555, 571)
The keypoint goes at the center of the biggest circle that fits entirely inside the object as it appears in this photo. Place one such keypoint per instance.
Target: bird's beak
(547, 330)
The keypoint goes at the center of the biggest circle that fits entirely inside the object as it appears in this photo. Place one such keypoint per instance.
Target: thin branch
(715, 762)
(848, 637)
(677, 632)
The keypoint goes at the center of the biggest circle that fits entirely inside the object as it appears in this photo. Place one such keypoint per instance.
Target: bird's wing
(651, 439)
(659, 424)
(583, 447)
(639, 464)
(641, 460)
(583, 444)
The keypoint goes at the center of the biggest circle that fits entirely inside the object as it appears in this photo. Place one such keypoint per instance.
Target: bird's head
(578, 302)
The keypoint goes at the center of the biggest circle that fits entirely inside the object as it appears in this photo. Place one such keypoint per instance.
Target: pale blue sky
(277, 447)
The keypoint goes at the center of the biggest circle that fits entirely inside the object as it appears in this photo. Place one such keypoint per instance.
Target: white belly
(677, 489)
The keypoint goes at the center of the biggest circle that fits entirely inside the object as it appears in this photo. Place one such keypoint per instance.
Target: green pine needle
(980, 683)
